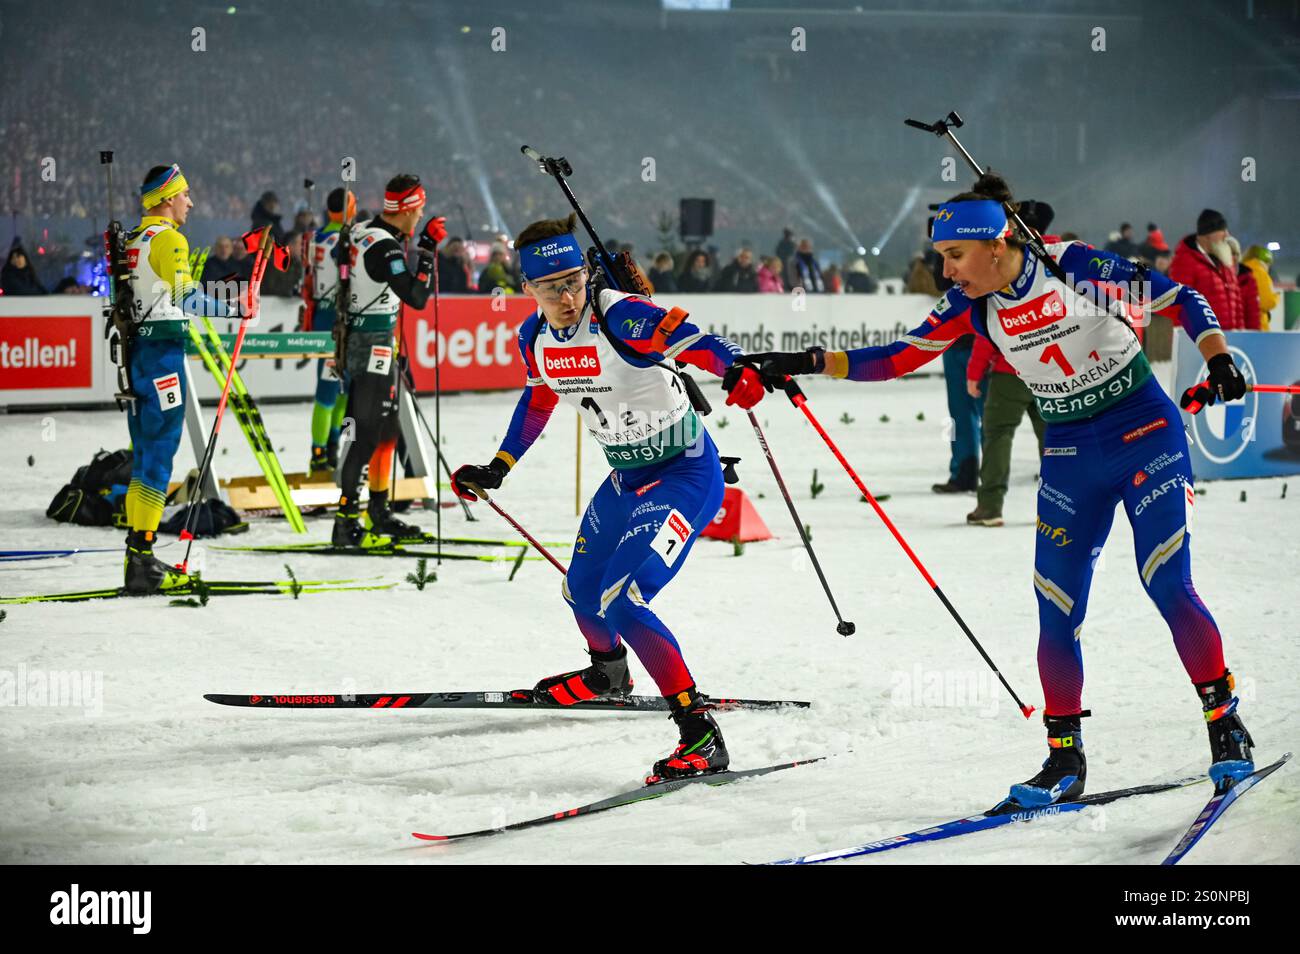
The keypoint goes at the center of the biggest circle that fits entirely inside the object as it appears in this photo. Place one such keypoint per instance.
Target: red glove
(435, 230)
(745, 386)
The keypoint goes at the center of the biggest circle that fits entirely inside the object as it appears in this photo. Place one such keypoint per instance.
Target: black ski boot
(320, 462)
(348, 531)
(1065, 771)
(1230, 757)
(701, 750)
(332, 453)
(383, 522)
(145, 573)
(606, 678)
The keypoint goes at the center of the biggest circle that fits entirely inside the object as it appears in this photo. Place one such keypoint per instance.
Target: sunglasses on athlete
(556, 288)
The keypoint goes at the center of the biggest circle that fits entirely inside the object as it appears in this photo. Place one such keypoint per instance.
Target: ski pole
(424, 421)
(799, 400)
(1197, 396)
(264, 243)
(844, 627)
(515, 523)
(437, 407)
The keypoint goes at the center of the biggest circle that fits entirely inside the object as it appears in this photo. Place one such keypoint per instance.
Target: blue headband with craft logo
(547, 256)
(979, 219)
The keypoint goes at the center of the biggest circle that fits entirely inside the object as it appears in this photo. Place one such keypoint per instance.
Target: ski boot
(320, 462)
(1230, 744)
(348, 531)
(382, 521)
(606, 678)
(1065, 771)
(701, 750)
(332, 453)
(145, 573)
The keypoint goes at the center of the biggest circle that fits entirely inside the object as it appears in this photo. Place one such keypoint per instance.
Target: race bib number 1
(381, 359)
(671, 538)
(169, 391)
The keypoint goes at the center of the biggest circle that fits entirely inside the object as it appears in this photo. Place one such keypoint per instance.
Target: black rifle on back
(344, 292)
(121, 311)
(621, 274)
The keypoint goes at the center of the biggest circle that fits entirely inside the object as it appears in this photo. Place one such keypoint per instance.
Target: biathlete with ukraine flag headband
(380, 283)
(166, 295)
(603, 351)
(1112, 436)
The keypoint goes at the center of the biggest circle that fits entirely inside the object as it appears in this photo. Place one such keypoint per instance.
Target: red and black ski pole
(262, 241)
(799, 400)
(515, 523)
(1198, 395)
(843, 627)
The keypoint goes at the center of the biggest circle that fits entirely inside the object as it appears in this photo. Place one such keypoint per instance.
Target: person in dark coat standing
(19, 278)
(267, 212)
(740, 276)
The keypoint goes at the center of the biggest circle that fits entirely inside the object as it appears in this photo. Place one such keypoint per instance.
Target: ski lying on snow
(994, 818)
(393, 550)
(644, 793)
(1215, 808)
(518, 699)
(211, 588)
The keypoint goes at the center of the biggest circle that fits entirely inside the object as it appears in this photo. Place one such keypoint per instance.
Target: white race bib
(381, 359)
(671, 538)
(169, 391)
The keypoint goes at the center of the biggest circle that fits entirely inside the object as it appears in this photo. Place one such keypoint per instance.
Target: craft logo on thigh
(1145, 429)
(571, 362)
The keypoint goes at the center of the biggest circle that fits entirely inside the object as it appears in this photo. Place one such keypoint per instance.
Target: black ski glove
(1225, 384)
(488, 477)
(1225, 378)
(775, 365)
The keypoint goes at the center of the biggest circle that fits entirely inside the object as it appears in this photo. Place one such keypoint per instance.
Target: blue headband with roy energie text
(978, 219)
(559, 253)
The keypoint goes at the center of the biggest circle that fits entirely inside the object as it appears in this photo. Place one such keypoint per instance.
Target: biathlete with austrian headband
(1113, 436)
(380, 283)
(607, 353)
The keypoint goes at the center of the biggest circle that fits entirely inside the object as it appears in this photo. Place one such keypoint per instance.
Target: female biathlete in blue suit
(1113, 436)
(604, 352)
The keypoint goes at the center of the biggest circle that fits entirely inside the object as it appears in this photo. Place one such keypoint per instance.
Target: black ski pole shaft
(799, 400)
(442, 460)
(515, 523)
(437, 407)
(844, 627)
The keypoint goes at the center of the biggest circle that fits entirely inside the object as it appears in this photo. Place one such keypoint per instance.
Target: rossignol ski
(643, 794)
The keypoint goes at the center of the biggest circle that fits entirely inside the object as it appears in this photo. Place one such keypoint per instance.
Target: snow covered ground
(144, 770)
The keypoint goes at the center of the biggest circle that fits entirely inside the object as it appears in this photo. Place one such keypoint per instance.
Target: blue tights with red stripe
(1134, 453)
(635, 536)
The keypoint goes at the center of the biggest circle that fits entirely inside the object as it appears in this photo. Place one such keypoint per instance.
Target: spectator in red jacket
(1203, 262)
(1246, 284)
